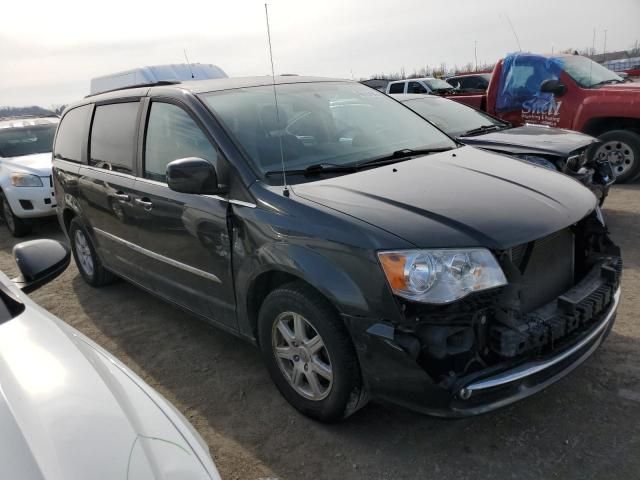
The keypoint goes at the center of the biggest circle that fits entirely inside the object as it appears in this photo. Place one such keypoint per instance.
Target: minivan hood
(532, 139)
(37, 164)
(462, 198)
(69, 410)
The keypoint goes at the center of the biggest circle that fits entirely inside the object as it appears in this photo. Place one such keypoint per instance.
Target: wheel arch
(297, 264)
(599, 125)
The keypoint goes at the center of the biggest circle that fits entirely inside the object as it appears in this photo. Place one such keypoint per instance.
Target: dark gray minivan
(365, 252)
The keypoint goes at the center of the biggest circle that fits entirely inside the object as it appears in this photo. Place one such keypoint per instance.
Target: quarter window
(113, 136)
(173, 134)
(72, 134)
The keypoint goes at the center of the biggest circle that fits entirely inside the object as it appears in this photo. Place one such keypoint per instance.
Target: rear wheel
(622, 149)
(309, 354)
(16, 226)
(87, 260)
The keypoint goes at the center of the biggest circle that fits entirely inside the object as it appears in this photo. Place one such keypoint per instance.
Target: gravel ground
(586, 426)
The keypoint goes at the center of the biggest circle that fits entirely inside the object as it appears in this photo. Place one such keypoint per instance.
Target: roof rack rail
(27, 116)
(139, 85)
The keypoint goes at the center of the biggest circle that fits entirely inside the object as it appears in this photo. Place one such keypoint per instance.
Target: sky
(50, 50)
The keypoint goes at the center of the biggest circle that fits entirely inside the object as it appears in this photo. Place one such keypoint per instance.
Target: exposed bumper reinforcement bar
(531, 368)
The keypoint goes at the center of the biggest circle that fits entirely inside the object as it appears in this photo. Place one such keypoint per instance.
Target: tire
(84, 253)
(622, 149)
(16, 226)
(338, 390)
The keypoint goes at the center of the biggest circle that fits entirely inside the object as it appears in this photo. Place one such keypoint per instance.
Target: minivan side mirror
(193, 175)
(553, 86)
(39, 262)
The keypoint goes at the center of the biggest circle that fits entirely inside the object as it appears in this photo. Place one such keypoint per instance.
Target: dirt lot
(587, 426)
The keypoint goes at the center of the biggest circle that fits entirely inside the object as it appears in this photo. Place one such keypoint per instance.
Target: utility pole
(604, 48)
(475, 52)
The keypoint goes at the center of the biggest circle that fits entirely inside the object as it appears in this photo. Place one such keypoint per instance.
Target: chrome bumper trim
(531, 368)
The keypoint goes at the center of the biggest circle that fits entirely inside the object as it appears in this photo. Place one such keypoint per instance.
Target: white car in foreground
(71, 411)
(25, 171)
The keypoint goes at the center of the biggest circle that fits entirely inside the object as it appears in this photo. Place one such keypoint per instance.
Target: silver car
(68, 409)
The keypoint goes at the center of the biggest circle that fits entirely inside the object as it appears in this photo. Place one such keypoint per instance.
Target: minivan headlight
(440, 276)
(25, 180)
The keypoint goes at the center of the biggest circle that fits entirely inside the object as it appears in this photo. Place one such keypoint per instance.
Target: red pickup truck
(568, 91)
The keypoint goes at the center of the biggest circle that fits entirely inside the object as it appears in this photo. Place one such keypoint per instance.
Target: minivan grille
(547, 268)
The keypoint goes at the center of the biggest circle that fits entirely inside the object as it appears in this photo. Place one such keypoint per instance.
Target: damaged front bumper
(576, 323)
(485, 393)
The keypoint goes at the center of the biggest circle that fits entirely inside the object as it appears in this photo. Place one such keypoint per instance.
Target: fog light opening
(464, 393)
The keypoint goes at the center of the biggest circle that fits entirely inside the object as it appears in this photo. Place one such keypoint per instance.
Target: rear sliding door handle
(145, 203)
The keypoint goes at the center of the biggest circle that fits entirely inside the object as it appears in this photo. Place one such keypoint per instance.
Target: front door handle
(123, 197)
(145, 203)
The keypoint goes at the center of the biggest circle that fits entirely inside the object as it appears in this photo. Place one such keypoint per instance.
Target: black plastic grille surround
(576, 310)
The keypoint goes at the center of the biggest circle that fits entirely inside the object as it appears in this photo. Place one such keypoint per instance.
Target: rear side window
(72, 134)
(173, 134)
(397, 88)
(113, 137)
(416, 87)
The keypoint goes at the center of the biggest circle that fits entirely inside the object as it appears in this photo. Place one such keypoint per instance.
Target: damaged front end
(495, 347)
(596, 174)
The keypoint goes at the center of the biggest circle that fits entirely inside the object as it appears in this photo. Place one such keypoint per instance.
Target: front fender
(353, 283)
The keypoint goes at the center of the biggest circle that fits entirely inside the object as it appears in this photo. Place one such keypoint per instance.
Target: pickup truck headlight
(25, 180)
(440, 276)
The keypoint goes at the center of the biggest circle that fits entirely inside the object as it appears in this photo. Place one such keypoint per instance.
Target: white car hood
(69, 410)
(37, 164)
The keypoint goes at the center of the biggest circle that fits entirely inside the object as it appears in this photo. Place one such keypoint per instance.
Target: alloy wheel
(302, 356)
(83, 252)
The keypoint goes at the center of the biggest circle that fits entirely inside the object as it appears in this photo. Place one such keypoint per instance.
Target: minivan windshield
(452, 117)
(28, 140)
(320, 123)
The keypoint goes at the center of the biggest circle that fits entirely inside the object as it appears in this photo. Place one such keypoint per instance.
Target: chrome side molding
(157, 256)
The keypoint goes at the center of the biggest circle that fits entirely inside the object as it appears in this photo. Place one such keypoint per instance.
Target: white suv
(419, 85)
(26, 187)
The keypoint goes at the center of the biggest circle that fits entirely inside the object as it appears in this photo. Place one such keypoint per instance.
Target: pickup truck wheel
(622, 149)
(309, 354)
(16, 226)
(87, 260)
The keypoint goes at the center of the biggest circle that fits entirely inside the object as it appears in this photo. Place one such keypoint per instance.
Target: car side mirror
(553, 86)
(193, 175)
(39, 262)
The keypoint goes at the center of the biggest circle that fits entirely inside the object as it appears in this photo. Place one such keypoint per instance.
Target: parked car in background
(573, 92)
(554, 148)
(470, 82)
(424, 85)
(70, 410)
(25, 171)
(364, 251)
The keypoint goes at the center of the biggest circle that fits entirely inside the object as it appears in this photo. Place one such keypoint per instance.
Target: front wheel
(16, 226)
(622, 149)
(309, 353)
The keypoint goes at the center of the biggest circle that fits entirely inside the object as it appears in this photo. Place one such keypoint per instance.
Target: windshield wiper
(482, 129)
(606, 82)
(316, 169)
(400, 155)
(397, 156)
